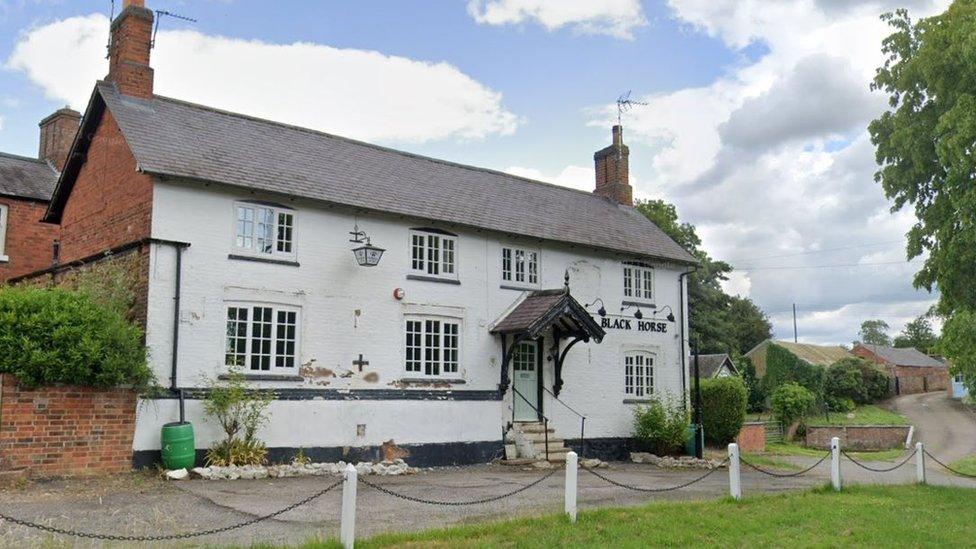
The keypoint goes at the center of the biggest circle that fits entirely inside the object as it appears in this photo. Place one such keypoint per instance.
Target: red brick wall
(59, 431)
(858, 437)
(752, 438)
(28, 242)
(911, 379)
(111, 203)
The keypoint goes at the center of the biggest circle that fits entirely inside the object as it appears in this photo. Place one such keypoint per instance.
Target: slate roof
(709, 365)
(26, 177)
(174, 138)
(545, 308)
(909, 356)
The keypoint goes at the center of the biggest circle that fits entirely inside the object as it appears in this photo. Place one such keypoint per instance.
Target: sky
(753, 120)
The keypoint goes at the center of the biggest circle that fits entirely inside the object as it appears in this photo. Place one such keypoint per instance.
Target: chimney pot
(613, 170)
(57, 135)
(137, 3)
(129, 49)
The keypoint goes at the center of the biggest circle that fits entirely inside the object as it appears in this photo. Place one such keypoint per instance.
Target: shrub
(791, 402)
(841, 405)
(757, 398)
(844, 381)
(723, 408)
(782, 367)
(662, 425)
(51, 336)
(240, 412)
(877, 382)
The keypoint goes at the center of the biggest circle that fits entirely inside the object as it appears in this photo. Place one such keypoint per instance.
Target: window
(638, 281)
(520, 266)
(260, 337)
(639, 375)
(433, 253)
(432, 346)
(4, 213)
(958, 378)
(266, 230)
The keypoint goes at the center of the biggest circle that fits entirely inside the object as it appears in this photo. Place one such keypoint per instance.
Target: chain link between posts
(646, 489)
(784, 475)
(947, 468)
(489, 499)
(168, 537)
(876, 469)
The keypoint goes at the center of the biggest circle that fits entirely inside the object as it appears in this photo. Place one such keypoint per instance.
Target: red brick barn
(913, 370)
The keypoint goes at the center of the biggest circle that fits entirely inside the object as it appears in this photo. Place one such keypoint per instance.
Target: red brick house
(913, 370)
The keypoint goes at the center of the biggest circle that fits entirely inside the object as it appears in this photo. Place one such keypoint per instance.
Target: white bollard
(835, 463)
(572, 474)
(920, 462)
(347, 528)
(735, 480)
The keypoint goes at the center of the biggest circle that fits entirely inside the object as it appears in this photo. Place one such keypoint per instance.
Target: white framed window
(262, 337)
(639, 281)
(638, 374)
(433, 346)
(520, 266)
(4, 220)
(433, 253)
(263, 229)
(958, 378)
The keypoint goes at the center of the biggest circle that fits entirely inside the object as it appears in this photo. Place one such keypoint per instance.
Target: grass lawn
(785, 449)
(863, 415)
(864, 516)
(768, 461)
(966, 465)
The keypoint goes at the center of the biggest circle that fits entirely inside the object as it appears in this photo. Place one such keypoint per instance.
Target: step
(534, 428)
(553, 446)
(541, 437)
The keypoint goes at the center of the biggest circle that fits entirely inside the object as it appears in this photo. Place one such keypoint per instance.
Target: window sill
(270, 260)
(643, 304)
(424, 278)
(4, 259)
(265, 377)
(638, 400)
(432, 381)
(519, 288)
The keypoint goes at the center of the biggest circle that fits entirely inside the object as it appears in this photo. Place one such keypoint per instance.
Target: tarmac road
(945, 426)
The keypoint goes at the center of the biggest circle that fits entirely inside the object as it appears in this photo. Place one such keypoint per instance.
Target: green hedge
(661, 426)
(54, 336)
(791, 402)
(723, 408)
(783, 367)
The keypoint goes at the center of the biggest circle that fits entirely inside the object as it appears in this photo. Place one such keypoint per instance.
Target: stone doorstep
(534, 428)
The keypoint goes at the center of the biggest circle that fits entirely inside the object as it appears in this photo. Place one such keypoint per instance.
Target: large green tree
(719, 323)
(875, 332)
(925, 149)
(918, 334)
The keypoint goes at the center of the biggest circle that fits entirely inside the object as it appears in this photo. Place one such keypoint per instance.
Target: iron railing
(582, 421)
(545, 420)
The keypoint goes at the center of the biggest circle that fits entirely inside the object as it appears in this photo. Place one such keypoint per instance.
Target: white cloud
(355, 93)
(574, 177)
(616, 18)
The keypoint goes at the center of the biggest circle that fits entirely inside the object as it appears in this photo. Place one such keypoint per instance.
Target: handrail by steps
(582, 420)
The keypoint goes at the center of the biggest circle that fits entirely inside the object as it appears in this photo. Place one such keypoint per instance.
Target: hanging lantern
(367, 255)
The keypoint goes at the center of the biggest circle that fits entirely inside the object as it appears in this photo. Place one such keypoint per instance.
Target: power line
(810, 252)
(838, 265)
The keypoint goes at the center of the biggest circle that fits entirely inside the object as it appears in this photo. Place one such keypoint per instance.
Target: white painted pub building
(496, 299)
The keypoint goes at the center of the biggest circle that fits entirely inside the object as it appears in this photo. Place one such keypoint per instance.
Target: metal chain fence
(878, 470)
(947, 468)
(489, 499)
(646, 489)
(167, 537)
(784, 475)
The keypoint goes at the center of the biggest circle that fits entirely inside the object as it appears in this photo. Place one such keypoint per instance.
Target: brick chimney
(128, 56)
(57, 134)
(612, 170)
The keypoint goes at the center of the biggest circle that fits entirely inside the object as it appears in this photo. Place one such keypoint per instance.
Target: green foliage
(240, 412)
(791, 402)
(959, 342)
(782, 366)
(877, 383)
(840, 405)
(52, 336)
(110, 283)
(662, 425)
(918, 334)
(719, 323)
(875, 332)
(756, 396)
(844, 381)
(723, 408)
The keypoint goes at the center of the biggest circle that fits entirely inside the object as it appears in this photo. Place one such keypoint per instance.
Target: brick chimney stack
(613, 171)
(128, 65)
(57, 134)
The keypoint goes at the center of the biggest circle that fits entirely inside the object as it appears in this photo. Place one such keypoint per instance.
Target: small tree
(844, 381)
(875, 332)
(662, 425)
(723, 408)
(791, 402)
(240, 412)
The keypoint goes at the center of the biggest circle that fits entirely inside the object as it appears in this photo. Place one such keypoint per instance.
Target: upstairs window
(433, 253)
(639, 375)
(639, 282)
(265, 230)
(432, 346)
(520, 266)
(262, 337)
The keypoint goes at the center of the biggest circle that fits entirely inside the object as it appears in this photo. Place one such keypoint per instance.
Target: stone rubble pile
(668, 462)
(385, 468)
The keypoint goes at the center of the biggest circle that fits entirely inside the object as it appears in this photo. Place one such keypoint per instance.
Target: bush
(52, 336)
(661, 425)
(791, 402)
(844, 381)
(723, 408)
(841, 405)
(240, 412)
(877, 382)
(757, 398)
(782, 367)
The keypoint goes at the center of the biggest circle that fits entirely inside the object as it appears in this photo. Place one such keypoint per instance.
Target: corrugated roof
(26, 177)
(824, 355)
(174, 138)
(909, 356)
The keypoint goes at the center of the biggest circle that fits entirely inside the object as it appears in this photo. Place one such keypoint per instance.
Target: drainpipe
(684, 348)
(178, 247)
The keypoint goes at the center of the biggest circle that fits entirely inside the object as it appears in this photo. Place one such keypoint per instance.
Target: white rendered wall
(347, 310)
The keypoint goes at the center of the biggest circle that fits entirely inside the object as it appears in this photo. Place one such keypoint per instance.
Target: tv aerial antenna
(163, 13)
(625, 103)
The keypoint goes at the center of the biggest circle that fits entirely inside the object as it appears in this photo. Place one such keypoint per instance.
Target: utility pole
(795, 340)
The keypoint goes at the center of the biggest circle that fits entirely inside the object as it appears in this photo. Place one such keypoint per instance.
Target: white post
(835, 463)
(347, 528)
(572, 466)
(920, 462)
(735, 482)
